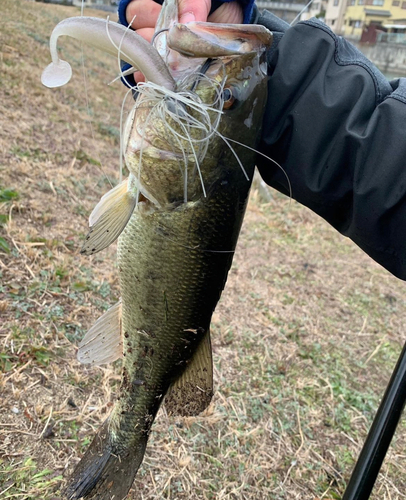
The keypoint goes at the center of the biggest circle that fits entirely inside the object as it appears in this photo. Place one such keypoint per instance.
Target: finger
(146, 13)
(230, 13)
(139, 77)
(193, 10)
(146, 33)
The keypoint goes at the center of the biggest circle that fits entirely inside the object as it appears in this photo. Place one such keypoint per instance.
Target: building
(335, 13)
(395, 31)
(290, 12)
(286, 11)
(384, 15)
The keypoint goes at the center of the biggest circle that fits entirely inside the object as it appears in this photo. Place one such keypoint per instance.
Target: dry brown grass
(305, 336)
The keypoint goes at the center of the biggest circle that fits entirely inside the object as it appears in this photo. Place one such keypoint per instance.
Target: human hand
(144, 15)
(147, 11)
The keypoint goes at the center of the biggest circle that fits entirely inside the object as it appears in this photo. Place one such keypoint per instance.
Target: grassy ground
(305, 337)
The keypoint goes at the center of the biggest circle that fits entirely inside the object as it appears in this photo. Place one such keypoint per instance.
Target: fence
(391, 37)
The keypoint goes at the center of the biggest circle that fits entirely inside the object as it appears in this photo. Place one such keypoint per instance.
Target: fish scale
(164, 318)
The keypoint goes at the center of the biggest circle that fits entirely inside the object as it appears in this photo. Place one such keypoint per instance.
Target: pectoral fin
(191, 393)
(109, 218)
(103, 342)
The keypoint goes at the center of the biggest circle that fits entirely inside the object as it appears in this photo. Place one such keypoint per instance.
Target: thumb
(194, 10)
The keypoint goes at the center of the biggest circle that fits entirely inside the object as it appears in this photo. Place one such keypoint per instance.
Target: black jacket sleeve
(338, 128)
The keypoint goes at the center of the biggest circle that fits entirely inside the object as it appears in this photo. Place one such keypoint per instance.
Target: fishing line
(195, 247)
(122, 152)
(141, 152)
(204, 67)
(177, 119)
(177, 136)
(185, 163)
(169, 141)
(174, 107)
(155, 34)
(235, 154)
(268, 158)
(205, 121)
(123, 74)
(87, 101)
(119, 52)
(301, 12)
(131, 87)
(90, 116)
(196, 159)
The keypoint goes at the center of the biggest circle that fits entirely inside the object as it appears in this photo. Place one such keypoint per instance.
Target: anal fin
(191, 393)
(109, 218)
(103, 342)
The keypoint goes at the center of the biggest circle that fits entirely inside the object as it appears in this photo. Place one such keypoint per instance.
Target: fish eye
(229, 97)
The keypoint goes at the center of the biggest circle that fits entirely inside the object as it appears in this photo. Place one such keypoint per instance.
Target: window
(360, 2)
(378, 2)
(332, 22)
(335, 3)
(403, 5)
(396, 3)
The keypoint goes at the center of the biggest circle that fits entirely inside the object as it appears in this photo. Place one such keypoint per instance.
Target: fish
(189, 145)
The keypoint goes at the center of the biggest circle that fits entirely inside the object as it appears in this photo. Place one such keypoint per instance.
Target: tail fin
(103, 473)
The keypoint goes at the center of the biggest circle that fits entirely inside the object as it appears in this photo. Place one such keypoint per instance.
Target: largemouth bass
(178, 215)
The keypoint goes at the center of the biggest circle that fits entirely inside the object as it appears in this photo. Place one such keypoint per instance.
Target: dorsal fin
(191, 393)
(103, 342)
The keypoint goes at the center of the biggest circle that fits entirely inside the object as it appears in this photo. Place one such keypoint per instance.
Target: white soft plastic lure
(111, 38)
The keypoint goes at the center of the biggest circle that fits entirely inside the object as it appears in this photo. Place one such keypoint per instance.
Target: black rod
(380, 435)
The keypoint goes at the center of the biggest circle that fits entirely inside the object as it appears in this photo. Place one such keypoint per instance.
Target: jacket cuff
(122, 7)
(274, 24)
